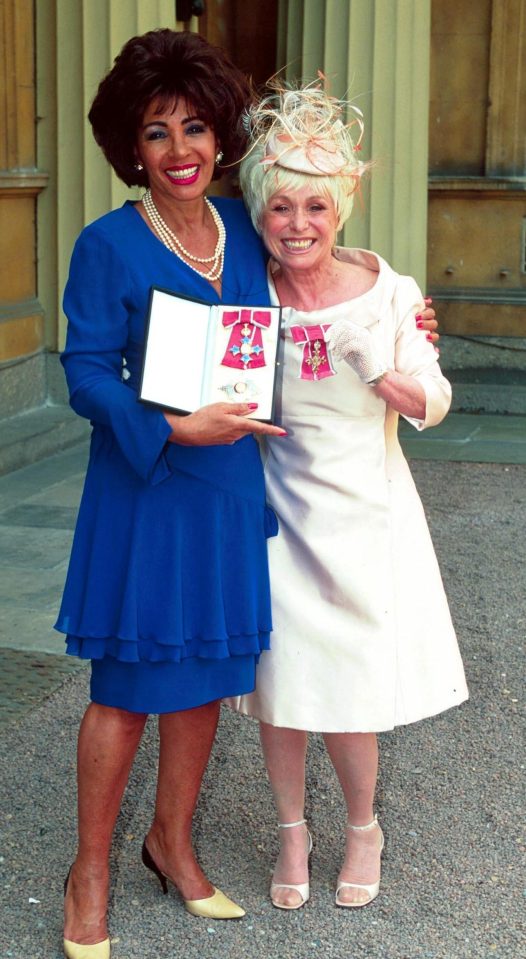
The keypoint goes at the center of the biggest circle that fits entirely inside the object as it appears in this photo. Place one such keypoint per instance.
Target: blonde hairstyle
(260, 183)
(296, 137)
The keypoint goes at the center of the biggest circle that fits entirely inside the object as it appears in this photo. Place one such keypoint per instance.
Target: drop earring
(219, 156)
(138, 166)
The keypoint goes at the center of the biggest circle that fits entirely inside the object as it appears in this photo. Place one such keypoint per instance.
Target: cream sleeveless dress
(363, 639)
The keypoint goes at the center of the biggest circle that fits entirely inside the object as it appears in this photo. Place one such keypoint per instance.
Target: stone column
(375, 53)
(21, 316)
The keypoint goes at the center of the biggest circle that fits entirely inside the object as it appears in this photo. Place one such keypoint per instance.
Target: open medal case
(198, 353)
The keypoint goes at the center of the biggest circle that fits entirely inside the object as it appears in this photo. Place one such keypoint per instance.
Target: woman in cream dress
(363, 639)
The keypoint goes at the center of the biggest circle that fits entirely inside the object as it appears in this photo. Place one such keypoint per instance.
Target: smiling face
(299, 228)
(177, 149)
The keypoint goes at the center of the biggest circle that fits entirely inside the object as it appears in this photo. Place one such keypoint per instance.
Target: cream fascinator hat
(303, 130)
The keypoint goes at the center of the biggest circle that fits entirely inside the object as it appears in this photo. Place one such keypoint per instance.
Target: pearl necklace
(168, 237)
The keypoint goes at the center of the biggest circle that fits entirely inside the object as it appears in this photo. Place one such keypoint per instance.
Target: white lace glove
(355, 345)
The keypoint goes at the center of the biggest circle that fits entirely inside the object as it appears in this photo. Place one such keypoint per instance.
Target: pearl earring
(219, 156)
(139, 167)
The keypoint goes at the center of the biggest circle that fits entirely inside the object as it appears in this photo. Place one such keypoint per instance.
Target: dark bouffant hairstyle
(164, 65)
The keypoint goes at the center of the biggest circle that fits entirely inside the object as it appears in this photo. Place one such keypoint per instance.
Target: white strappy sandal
(302, 888)
(373, 889)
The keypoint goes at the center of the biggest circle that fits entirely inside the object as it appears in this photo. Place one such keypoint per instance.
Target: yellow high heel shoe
(76, 950)
(216, 906)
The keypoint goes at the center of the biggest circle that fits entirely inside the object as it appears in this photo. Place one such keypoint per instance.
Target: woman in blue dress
(167, 590)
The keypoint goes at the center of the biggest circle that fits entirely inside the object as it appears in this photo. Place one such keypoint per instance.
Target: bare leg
(186, 740)
(285, 752)
(355, 759)
(108, 741)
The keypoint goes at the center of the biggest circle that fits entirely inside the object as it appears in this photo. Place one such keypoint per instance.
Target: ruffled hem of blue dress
(143, 650)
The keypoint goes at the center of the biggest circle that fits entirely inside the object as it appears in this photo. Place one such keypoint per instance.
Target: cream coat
(363, 639)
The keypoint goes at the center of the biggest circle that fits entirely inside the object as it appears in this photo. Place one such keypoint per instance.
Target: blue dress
(167, 590)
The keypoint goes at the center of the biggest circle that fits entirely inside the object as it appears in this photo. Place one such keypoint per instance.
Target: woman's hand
(218, 424)
(355, 345)
(425, 320)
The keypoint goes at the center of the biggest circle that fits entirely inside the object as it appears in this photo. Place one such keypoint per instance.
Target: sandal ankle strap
(370, 825)
(289, 825)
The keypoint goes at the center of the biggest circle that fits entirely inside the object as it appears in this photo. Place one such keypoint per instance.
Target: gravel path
(449, 797)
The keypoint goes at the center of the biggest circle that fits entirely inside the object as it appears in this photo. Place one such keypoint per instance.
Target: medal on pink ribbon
(316, 361)
(245, 346)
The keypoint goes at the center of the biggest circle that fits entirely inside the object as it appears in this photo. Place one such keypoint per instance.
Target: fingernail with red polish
(420, 324)
(252, 406)
(418, 316)
(429, 337)
(283, 433)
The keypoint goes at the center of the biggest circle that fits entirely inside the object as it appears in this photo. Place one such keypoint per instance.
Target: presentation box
(198, 353)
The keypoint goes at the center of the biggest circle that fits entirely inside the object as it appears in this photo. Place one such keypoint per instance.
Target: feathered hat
(302, 129)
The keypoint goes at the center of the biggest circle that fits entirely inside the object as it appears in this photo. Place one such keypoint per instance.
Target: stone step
(488, 398)
(488, 390)
(31, 436)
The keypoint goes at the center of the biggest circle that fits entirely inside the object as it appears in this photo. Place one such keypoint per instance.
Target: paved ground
(450, 791)
(468, 438)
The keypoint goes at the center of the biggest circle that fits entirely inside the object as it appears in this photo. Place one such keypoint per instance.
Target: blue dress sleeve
(97, 301)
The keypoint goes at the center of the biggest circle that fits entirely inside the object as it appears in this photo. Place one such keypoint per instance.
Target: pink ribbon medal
(245, 346)
(316, 362)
